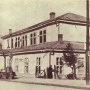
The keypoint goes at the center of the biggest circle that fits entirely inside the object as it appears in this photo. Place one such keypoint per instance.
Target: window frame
(12, 43)
(16, 42)
(42, 36)
(33, 38)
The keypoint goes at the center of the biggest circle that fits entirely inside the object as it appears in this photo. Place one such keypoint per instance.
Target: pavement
(77, 84)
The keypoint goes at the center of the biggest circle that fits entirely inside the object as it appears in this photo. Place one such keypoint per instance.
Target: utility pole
(87, 44)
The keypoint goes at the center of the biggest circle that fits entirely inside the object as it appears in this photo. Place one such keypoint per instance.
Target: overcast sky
(19, 14)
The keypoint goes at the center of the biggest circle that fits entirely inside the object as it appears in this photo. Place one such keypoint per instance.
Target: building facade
(42, 45)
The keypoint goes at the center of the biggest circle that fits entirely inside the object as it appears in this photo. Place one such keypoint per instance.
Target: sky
(20, 14)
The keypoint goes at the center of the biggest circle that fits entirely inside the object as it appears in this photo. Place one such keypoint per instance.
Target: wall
(51, 31)
(76, 32)
(1, 62)
(32, 62)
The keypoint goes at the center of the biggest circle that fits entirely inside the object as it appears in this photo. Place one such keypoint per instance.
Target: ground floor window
(16, 64)
(26, 63)
(81, 65)
(8, 62)
(16, 68)
(38, 64)
(59, 65)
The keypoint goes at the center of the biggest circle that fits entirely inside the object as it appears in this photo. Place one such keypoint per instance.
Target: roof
(55, 46)
(73, 17)
(68, 18)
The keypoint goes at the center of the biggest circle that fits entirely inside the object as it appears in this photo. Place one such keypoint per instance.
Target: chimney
(10, 31)
(60, 38)
(52, 15)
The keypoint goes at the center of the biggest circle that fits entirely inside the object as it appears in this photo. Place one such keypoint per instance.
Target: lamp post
(87, 44)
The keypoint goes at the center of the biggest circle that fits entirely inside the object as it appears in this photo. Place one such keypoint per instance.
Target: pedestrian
(50, 70)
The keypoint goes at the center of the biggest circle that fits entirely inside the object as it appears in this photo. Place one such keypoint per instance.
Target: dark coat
(50, 75)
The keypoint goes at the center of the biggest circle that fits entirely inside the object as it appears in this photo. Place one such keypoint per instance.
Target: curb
(50, 84)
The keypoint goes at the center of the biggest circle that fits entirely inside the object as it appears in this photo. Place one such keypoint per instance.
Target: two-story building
(41, 45)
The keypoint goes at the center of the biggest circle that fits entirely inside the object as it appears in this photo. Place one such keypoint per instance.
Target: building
(41, 45)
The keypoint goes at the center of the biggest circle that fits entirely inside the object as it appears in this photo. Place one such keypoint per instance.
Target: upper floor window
(33, 38)
(34, 41)
(23, 41)
(26, 40)
(11, 43)
(42, 36)
(16, 42)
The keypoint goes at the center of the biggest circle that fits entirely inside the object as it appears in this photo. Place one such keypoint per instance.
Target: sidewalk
(78, 84)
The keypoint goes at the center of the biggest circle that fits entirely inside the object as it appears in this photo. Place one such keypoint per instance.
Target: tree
(70, 58)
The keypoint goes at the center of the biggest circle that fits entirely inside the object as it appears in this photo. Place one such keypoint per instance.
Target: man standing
(50, 70)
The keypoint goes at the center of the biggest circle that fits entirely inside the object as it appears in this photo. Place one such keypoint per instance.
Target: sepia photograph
(44, 45)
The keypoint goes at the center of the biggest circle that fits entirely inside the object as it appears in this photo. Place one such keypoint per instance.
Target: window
(11, 43)
(38, 64)
(42, 36)
(16, 65)
(16, 68)
(26, 40)
(23, 41)
(32, 38)
(61, 61)
(8, 62)
(80, 66)
(16, 43)
(26, 65)
(57, 60)
(59, 65)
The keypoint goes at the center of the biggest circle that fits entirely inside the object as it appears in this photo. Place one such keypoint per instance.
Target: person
(50, 70)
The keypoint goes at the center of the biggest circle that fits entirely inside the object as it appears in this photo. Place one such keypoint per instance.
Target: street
(5, 85)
